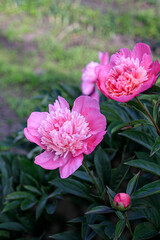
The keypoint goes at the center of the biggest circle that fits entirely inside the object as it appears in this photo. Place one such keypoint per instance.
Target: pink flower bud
(121, 202)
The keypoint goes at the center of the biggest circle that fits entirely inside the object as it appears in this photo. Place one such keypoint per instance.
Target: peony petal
(95, 95)
(71, 166)
(146, 85)
(155, 67)
(87, 87)
(146, 61)
(104, 58)
(32, 138)
(46, 160)
(126, 52)
(83, 103)
(93, 141)
(89, 108)
(51, 108)
(139, 50)
(33, 124)
(63, 103)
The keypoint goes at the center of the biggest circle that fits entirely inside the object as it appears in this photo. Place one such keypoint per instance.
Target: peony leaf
(120, 228)
(103, 167)
(145, 165)
(139, 137)
(131, 187)
(154, 90)
(144, 230)
(100, 210)
(147, 190)
(156, 147)
(73, 186)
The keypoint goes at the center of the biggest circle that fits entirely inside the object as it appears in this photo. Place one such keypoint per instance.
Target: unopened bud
(121, 202)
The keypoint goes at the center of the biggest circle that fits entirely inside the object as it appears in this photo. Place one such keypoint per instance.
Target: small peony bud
(121, 202)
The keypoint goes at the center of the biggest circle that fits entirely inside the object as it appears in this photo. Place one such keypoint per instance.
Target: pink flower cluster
(128, 73)
(65, 135)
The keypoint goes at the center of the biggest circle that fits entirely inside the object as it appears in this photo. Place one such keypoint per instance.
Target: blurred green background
(46, 44)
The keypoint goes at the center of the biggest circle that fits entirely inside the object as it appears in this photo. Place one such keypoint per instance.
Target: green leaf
(41, 205)
(29, 168)
(145, 165)
(156, 147)
(147, 190)
(131, 187)
(69, 235)
(131, 124)
(18, 195)
(11, 205)
(100, 210)
(135, 105)
(12, 226)
(32, 189)
(154, 90)
(103, 167)
(4, 234)
(110, 229)
(120, 228)
(83, 176)
(28, 203)
(144, 230)
(99, 229)
(139, 137)
(73, 186)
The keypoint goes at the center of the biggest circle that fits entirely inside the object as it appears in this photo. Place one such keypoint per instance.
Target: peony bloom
(128, 73)
(121, 202)
(89, 76)
(66, 134)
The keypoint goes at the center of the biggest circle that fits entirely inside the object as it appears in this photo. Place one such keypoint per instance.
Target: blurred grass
(43, 43)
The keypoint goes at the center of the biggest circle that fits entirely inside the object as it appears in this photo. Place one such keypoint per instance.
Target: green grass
(50, 42)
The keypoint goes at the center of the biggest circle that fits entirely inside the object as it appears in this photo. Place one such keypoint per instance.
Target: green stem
(128, 224)
(149, 115)
(93, 178)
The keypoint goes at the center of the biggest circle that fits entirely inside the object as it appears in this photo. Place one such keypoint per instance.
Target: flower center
(64, 131)
(125, 77)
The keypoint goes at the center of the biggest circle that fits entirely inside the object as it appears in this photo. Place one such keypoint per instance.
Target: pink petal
(126, 52)
(93, 141)
(32, 138)
(62, 103)
(89, 108)
(104, 58)
(140, 49)
(71, 166)
(95, 95)
(146, 61)
(146, 85)
(33, 124)
(155, 67)
(46, 160)
(87, 87)
(84, 103)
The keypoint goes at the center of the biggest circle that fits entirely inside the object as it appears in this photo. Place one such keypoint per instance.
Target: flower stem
(149, 115)
(128, 224)
(93, 178)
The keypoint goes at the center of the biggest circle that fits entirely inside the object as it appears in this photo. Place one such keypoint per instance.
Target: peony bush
(109, 174)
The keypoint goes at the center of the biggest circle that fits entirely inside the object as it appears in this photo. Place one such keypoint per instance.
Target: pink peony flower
(122, 201)
(89, 76)
(128, 73)
(66, 134)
